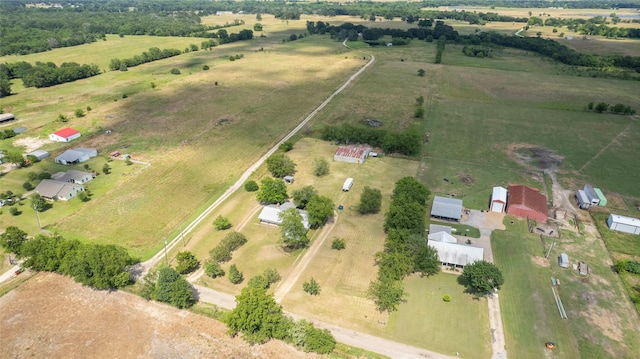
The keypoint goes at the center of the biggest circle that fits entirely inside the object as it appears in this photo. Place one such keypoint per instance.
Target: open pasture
(199, 136)
(602, 322)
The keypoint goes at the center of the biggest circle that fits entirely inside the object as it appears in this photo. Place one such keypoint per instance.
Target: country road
(238, 184)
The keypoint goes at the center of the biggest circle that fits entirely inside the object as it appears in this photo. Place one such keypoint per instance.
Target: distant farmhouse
(271, 214)
(527, 202)
(65, 135)
(624, 224)
(351, 154)
(76, 155)
(498, 199)
(448, 209)
(63, 185)
(450, 252)
(6, 117)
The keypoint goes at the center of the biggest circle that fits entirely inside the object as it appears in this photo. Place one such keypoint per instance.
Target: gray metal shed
(446, 208)
(563, 260)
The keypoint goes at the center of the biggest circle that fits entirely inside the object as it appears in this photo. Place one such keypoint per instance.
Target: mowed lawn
(425, 320)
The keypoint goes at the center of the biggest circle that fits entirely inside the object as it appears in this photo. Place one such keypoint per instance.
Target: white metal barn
(455, 254)
(498, 199)
(624, 224)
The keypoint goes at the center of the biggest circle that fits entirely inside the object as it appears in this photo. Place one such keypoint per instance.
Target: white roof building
(624, 224)
(442, 237)
(271, 214)
(76, 155)
(498, 199)
(455, 254)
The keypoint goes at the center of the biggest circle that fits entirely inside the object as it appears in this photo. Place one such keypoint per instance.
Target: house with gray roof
(72, 176)
(456, 254)
(55, 190)
(449, 209)
(271, 214)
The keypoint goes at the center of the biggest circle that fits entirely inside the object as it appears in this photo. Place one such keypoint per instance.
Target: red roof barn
(523, 201)
(64, 135)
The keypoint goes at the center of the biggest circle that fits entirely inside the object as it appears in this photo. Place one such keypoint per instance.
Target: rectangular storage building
(582, 200)
(624, 224)
(603, 199)
(446, 208)
(591, 194)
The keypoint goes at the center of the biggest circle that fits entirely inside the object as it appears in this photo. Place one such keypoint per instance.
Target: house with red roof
(527, 202)
(65, 135)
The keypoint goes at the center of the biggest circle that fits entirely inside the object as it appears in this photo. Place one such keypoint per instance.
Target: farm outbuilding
(55, 190)
(351, 154)
(6, 117)
(603, 199)
(624, 224)
(498, 199)
(271, 214)
(449, 209)
(39, 154)
(65, 135)
(76, 155)
(563, 260)
(527, 202)
(288, 179)
(591, 194)
(454, 254)
(435, 228)
(582, 200)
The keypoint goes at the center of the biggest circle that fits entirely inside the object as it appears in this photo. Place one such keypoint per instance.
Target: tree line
(407, 143)
(94, 265)
(593, 26)
(43, 74)
(405, 249)
(153, 54)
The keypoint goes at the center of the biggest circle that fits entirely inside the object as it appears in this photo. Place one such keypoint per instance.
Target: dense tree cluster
(272, 191)
(153, 54)
(46, 74)
(442, 41)
(618, 108)
(405, 249)
(167, 286)
(259, 318)
(280, 165)
(370, 201)
(479, 52)
(408, 143)
(592, 26)
(97, 266)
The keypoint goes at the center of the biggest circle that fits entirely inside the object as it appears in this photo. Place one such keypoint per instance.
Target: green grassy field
(425, 320)
(601, 321)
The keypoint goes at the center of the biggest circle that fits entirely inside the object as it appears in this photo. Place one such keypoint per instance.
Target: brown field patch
(51, 316)
(607, 321)
(541, 261)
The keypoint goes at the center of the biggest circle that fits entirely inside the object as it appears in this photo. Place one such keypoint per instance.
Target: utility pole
(166, 259)
(37, 216)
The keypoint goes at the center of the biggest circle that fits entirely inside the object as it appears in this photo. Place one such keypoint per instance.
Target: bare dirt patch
(541, 261)
(608, 322)
(534, 157)
(51, 316)
(31, 143)
(466, 178)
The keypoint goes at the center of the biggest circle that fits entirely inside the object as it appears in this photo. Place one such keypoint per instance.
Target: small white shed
(498, 199)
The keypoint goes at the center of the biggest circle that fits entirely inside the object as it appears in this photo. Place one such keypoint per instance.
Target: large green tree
(426, 261)
(294, 234)
(187, 262)
(257, 316)
(303, 195)
(173, 289)
(12, 239)
(387, 294)
(320, 209)
(370, 201)
(280, 165)
(272, 191)
(481, 277)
